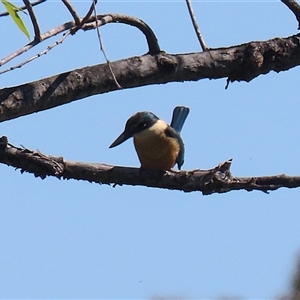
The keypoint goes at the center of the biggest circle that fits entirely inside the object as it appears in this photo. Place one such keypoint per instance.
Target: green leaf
(12, 10)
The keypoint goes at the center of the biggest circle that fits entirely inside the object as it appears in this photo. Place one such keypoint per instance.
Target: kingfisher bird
(158, 145)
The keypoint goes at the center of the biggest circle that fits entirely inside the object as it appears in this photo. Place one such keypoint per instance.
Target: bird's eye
(142, 125)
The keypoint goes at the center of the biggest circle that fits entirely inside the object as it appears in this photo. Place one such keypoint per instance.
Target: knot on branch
(215, 180)
(252, 60)
(166, 62)
(3, 143)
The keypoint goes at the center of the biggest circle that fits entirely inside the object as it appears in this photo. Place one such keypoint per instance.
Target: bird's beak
(120, 139)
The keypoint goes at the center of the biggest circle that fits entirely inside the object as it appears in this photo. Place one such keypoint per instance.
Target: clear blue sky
(69, 239)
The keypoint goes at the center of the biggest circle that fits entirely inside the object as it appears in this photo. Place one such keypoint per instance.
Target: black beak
(120, 139)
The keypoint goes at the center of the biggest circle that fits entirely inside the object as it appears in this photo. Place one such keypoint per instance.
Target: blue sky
(69, 239)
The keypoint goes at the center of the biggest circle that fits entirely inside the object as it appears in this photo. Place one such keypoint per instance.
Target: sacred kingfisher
(158, 145)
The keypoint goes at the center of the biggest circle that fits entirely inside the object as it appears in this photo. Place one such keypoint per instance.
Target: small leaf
(12, 10)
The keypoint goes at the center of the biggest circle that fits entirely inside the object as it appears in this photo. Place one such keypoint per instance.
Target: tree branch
(85, 18)
(72, 11)
(37, 32)
(132, 21)
(23, 7)
(101, 20)
(195, 24)
(30, 59)
(215, 180)
(236, 63)
(33, 43)
(294, 7)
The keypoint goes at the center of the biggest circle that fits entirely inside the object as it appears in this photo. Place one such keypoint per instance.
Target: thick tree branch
(237, 63)
(216, 180)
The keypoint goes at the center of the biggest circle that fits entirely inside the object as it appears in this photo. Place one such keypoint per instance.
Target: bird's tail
(180, 114)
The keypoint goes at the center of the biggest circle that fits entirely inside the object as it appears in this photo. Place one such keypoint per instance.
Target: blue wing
(180, 114)
(171, 132)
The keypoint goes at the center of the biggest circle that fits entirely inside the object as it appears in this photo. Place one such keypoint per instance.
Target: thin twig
(33, 43)
(38, 55)
(195, 24)
(294, 7)
(72, 11)
(86, 17)
(4, 14)
(34, 21)
(103, 50)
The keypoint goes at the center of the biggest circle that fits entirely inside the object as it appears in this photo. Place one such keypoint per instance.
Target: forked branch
(100, 20)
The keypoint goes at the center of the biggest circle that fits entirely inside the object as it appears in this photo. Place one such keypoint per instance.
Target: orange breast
(155, 150)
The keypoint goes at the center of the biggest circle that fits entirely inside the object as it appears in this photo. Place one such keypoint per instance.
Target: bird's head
(135, 124)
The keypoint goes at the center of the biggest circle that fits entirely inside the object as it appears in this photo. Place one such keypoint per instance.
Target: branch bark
(72, 11)
(195, 25)
(237, 63)
(100, 20)
(37, 32)
(294, 7)
(215, 180)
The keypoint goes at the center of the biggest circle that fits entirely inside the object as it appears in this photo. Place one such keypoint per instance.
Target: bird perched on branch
(158, 145)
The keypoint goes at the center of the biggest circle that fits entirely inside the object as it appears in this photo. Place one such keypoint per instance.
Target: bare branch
(72, 11)
(195, 24)
(294, 7)
(101, 20)
(237, 63)
(215, 180)
(34, 21)
(86, 18)
(138, 23)
(60, 41)
(24, 7)
(33, 43)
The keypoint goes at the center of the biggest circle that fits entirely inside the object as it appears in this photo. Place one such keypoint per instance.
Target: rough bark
(237, 63)
(215, 180)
